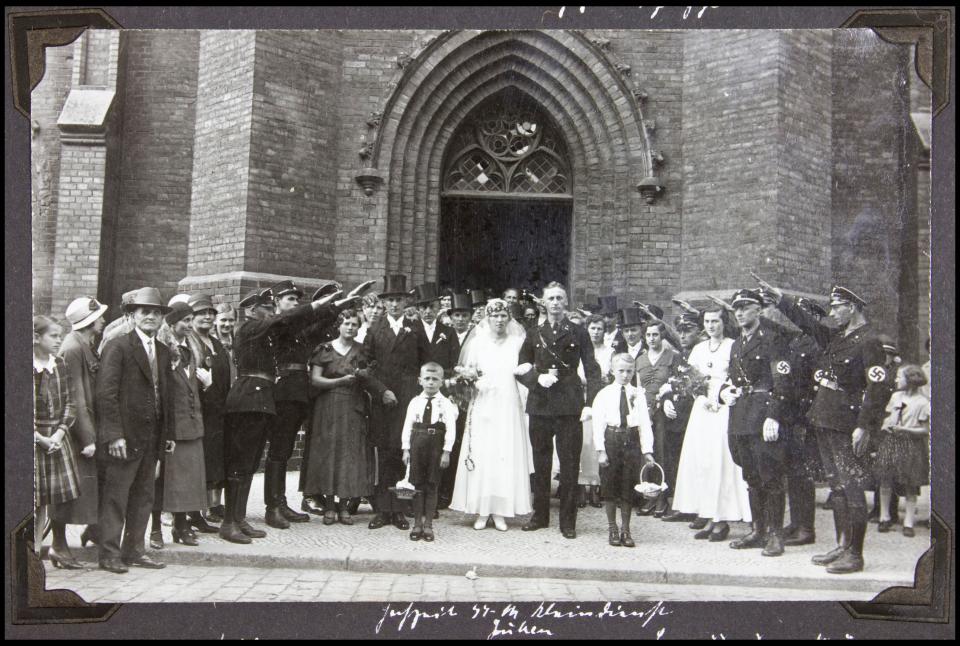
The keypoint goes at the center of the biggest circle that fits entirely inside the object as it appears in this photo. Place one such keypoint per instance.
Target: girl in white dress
(709, 484)
(493, 479)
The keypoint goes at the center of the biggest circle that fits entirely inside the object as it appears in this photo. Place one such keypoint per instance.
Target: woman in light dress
(493, 479)
(709, 484)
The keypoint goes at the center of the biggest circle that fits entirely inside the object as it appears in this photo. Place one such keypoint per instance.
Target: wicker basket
(651, 490)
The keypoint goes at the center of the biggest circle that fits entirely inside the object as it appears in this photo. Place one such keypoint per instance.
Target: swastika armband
(818, 375)
(783, 367)
(877, 374)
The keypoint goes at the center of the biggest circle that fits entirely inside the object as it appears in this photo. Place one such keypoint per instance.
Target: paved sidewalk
(190, 584)
(665, 554)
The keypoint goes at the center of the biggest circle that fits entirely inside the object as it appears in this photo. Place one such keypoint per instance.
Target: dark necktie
(624, 409)
(185, 354)
(556, 328)
(428, 411)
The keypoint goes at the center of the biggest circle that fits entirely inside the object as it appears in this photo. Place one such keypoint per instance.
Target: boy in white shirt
(429, 431)
(623, 437)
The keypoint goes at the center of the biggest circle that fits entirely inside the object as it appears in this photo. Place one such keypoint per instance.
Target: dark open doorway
(500, 243)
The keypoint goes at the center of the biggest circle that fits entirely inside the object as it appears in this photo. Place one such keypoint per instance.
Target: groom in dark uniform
(399, 348)
(556, 406)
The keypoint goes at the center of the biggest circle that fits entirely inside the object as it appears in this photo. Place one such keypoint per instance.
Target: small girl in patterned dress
(903, 457)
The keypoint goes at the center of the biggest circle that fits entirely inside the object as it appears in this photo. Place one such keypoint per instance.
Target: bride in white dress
(709, 483)
(493, 478)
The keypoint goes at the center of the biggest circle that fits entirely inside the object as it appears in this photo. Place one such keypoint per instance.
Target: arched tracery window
(508, 148)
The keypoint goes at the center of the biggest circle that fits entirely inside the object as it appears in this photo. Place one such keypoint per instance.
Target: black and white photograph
(593, 318)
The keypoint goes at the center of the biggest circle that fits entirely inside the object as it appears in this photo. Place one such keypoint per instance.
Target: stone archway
(584, 95)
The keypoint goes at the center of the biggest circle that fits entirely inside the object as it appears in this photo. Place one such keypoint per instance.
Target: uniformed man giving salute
(250, 403)
(757, 440)
(848, 407)
(556, 406)
(293, 346)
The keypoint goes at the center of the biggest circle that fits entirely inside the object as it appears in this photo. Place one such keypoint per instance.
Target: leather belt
(561, 372)
(750, 390)
(426, 431)
(257, 374)
(293, 367)
(621, 429)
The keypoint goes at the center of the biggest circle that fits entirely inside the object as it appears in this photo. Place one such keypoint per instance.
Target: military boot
(757, 536)
(774, 514)
(228, 527)
(241, 511)
(852, 558)
(273, 517)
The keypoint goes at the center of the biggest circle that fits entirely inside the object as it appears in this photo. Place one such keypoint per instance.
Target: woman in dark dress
(210, 355)
(341, 459)
(56, 479)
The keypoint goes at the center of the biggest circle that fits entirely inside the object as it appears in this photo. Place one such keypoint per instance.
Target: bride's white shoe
(499, 523)
(481, 522)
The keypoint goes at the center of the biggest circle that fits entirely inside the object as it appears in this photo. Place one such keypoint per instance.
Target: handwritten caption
(508, 620)
(655, 11)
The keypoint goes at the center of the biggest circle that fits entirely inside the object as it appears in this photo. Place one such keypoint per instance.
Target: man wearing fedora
(291, 395)
(251, 407)
(757, 436)
(132, 426)
(848, 407)
(556, 406)
(398, 347)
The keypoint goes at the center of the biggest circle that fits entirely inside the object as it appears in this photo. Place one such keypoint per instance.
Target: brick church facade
(648, 164)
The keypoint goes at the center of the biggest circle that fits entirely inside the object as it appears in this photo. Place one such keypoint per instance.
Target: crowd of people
(417, 401)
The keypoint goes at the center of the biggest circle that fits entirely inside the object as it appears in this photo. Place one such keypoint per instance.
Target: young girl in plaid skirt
(903, 457)
(55, 469)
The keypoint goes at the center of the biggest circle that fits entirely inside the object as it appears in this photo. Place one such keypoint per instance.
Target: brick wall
(47, 101)
(651, 259)
(291, 199)
(368, 75)
(221, 152)
(804, 143)
(159, 98)
(870, 116)
(730, 147)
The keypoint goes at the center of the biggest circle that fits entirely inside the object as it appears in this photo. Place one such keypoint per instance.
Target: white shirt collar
(395, 324)
(634, 350)
(144, 339)
(48, 365)
(430, 329)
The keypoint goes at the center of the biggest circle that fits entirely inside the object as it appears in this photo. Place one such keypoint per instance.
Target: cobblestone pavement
(183, 584)
(665, 554)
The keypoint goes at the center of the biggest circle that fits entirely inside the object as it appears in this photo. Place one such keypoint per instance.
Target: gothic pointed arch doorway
(507, 198)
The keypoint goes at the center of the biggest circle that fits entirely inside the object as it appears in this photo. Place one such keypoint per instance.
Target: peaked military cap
(688, 320)
(285, 287)
(841, 296)
(746, 297)
(256, 297)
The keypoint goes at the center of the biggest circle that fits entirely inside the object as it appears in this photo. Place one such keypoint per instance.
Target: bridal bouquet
(687, 381)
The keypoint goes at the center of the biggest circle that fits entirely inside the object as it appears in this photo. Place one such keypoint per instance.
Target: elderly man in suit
(132, 425)
(399, 348)
(556, 406)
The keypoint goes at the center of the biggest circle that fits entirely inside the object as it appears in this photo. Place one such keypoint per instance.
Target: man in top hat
(848, 407)
(556, 406)
(676, 404)
(82, 362)
(613, 334)
(756, 432)
(132, 429)
(443, 345)
(399, 348)
(460, 310)
(291, 394)
(803, 457)
(630, 323)
(251, 408)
